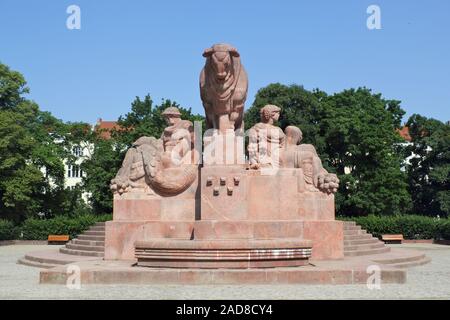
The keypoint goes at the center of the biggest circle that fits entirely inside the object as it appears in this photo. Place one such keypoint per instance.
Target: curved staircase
(89, 245)
(357, 242)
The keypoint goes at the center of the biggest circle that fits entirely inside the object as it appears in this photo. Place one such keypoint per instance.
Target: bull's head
(221, 59)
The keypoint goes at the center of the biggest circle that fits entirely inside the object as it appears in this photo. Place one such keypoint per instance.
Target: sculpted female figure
(266, 141)
(305, 156)
(270, 147)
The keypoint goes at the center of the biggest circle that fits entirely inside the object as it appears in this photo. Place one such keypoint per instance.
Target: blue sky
(129, 48)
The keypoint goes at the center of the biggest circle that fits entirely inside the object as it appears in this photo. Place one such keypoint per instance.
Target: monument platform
(350, 270)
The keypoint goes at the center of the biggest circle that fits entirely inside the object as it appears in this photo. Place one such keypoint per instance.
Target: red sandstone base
(327, 236)
(215, 254)
(350, 270)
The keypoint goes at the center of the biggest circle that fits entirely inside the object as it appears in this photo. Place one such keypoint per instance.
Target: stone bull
(223, 88)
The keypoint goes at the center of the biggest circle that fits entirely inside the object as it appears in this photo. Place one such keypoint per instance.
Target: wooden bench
(57, 239)
(392, 238)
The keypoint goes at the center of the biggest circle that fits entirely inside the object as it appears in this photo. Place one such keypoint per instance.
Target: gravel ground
(431, 281)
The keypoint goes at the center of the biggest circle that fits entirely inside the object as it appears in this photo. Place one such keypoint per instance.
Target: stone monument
(189, 216)
(275, 211)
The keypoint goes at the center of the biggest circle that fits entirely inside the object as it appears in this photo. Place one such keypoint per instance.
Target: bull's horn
(208, 52)
(234, 52)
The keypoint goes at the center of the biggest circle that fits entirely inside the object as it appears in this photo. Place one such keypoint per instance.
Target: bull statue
(223, 88)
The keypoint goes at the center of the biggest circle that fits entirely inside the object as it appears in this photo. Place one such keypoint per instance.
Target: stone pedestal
(223, 193)
(223, 149)
(214, 254)
(228, 205)
(141, 216)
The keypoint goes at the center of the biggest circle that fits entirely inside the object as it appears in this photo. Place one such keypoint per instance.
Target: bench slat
(392, 236)
(58, 238)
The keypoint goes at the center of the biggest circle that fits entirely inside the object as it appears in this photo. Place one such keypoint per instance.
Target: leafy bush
(7, 230)
(444, 229)
(39, 229)
(411, 226)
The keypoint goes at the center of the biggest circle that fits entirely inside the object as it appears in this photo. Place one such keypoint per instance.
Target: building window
(74, 172)
(77, 151)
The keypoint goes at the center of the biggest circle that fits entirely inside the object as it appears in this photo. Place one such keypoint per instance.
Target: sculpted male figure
(178, 139)
(305, 156)
(163, 165)
(266, 141)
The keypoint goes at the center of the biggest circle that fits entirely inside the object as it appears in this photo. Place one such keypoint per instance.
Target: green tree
(32, 146)
(360, 134)
(100, 168)
(429, 165)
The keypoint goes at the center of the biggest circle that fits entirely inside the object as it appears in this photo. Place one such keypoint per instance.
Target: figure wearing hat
(164, 165)
(178, 137)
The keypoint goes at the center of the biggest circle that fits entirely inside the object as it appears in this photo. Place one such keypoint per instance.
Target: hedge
(411, 226)
(39, 229)
(444, 229)
(7, 230)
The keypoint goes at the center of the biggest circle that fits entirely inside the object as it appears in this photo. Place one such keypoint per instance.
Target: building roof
(404, 133)
(104, 128)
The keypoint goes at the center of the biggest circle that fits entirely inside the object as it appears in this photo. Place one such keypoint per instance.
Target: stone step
(44, 260)
(394, 260)
(353, 253)
(354, 232)
(363, 247)
(88, 242)
(94, 233)
(358, 237)
(91, 238)
(351, 227)
(85, 248)
(96, 228)
(100, 224)
(81, 252)
(36, 264)
(409, 264)
(53, 257)
(362, 241)
(349, 223)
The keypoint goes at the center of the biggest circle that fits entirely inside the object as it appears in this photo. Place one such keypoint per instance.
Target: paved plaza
(431, 281)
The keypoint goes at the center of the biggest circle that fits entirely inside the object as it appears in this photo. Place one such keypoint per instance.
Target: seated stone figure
(266, 141)
(305, 156)
(163, 166)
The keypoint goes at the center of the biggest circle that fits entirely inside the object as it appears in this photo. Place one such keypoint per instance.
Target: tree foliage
(100, 168)
(32, 146)
(429, 165)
